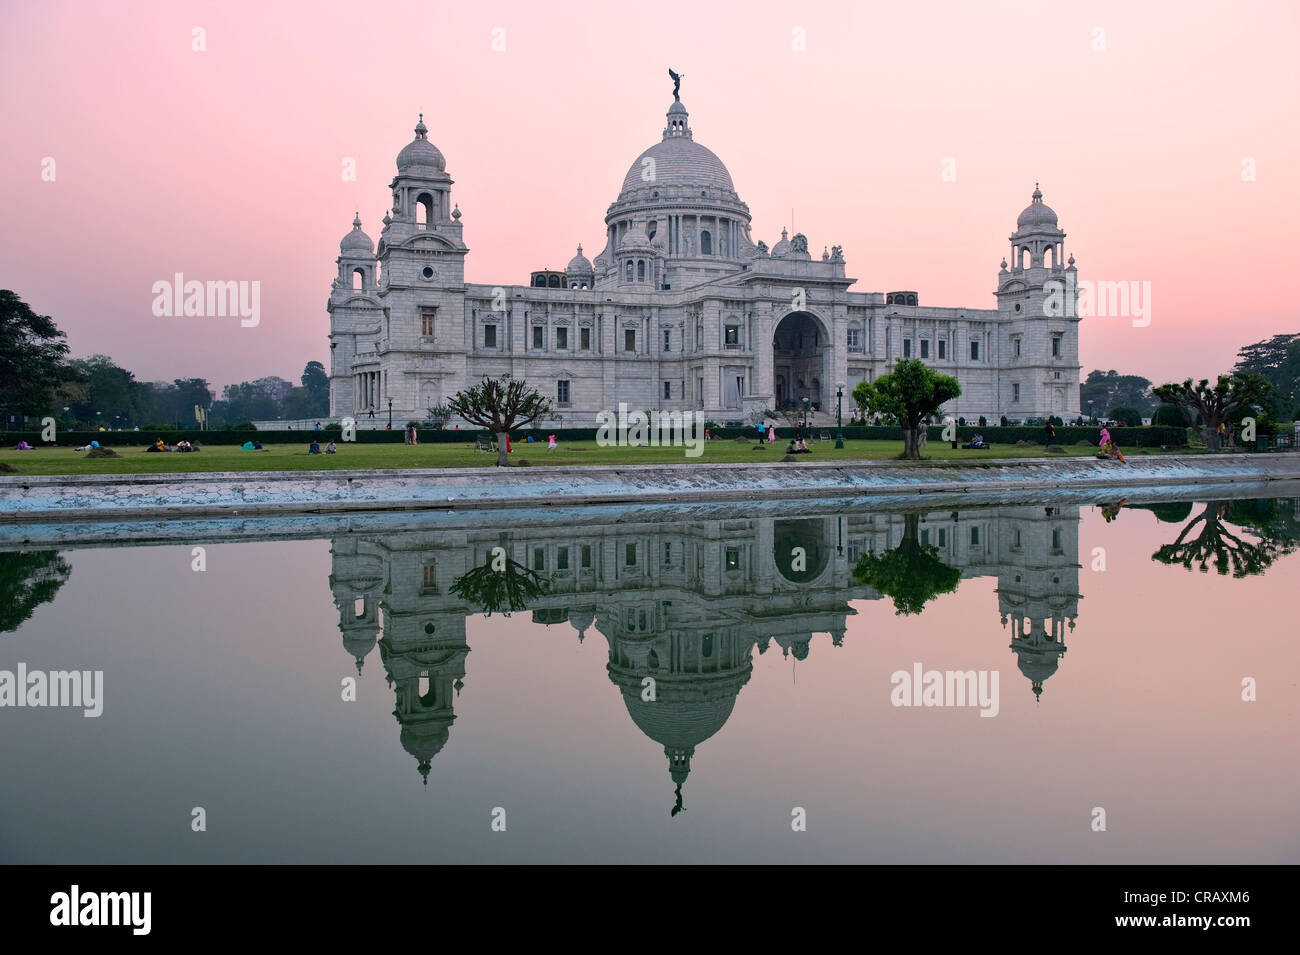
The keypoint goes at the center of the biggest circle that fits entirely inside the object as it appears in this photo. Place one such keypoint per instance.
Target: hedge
(1127, 437)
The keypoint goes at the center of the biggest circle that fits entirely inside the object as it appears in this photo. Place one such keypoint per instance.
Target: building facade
(681, 310)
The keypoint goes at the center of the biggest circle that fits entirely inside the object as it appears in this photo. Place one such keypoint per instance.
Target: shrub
(1127, 416)
(1169, 416)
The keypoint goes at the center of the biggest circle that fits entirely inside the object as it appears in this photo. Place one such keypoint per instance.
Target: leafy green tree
(500, 405)
(1168, 416)
(1127, 416)
(1108, 389)
(912, 573)
(1277, 360)
(317, 384)
(113, 398)
(909, 394)
(33, 359)
(1216, 404)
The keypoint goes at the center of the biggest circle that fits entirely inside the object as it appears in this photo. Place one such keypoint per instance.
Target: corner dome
(1037, 214)
(420, 154)
(578, 265)
(356, 240)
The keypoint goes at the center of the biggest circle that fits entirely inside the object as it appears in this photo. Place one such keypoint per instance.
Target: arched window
(1024, 257)
(629, 270)
(540, 281)
(706, 243)
(1049, 257)
(911, 300)
(889, 299)
(424, 210)
(358, 279)
(554, 282)
(640, 270)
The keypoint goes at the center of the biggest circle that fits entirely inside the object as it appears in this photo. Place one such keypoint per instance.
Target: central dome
(678, 161)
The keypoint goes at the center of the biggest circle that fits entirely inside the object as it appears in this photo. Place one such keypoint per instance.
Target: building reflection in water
(683, 603)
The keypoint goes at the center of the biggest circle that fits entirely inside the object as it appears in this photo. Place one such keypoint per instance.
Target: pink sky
(226, 164)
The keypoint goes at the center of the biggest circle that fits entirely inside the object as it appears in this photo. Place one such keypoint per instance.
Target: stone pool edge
(51, 497)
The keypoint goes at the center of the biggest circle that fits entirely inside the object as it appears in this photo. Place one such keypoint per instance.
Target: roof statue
(677, 84)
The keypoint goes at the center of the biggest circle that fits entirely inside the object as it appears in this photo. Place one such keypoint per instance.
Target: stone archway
(800, 359)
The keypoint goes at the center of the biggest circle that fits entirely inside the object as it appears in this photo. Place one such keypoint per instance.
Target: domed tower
(1037, 299)
(579, 272)
(677, 196)
(353, 306)
(356, 581)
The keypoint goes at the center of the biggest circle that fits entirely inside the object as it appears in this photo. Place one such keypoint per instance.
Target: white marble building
(681, 310)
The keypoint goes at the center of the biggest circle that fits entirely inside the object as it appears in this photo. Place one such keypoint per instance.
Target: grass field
(294, 457)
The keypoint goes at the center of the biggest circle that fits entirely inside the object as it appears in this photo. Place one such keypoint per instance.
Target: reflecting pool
(769, 682)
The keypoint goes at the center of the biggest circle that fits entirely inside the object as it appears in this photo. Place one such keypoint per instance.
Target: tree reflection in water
(27, 580)
(504, 589)
(1208, 539)
(912, 573)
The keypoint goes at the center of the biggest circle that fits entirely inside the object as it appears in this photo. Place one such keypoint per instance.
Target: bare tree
(500, 405)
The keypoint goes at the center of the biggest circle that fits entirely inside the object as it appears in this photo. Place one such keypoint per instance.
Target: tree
(500, 404)
(1125, 415)
(1168, 416)
(1215, 405)
(33, 358)
(1277, 360)
(27, 580)
(909, 394)
(911, 573)
(113, 398)
(1108, 389)
(317, 384)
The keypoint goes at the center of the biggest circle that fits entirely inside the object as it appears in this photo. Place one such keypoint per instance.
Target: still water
(713, 683)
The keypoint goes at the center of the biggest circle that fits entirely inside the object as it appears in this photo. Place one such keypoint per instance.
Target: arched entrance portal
(800, 351)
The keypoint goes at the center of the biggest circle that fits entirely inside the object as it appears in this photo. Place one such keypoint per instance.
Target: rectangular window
(855, 338)
(562, 391)
(629, 555)
(668, 554)
(489, 336)
(943, 537)
(925, 537)
(668, 389)
(584, 339)
(668, 340)
(586, 556)
(907, 348)
(539, 340)
(1016, 341)
(430, 576)
(629, 339)
(1056, 538)
(539, 558)
(562, 559)
(943, 349)
(732, 335)
(974, 350)
(925, 348)
(561, 338)
(1015, 392)
(733, 558)
(426, 321)
(1056, 347)
(975, 536)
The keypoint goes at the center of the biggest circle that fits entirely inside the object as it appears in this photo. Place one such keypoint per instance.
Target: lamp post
(390, 414)
(839, 417)
(805, 416)
(1091, 419)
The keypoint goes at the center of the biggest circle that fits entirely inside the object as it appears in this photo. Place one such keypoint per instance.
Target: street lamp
(390, 414)
(1091, 419)
(839, 417)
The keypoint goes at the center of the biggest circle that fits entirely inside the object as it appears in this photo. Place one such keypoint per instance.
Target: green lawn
(294, 457)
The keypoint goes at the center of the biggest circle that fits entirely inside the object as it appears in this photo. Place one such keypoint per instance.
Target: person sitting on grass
(314, 448)
(22, 446)
(330, 448)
